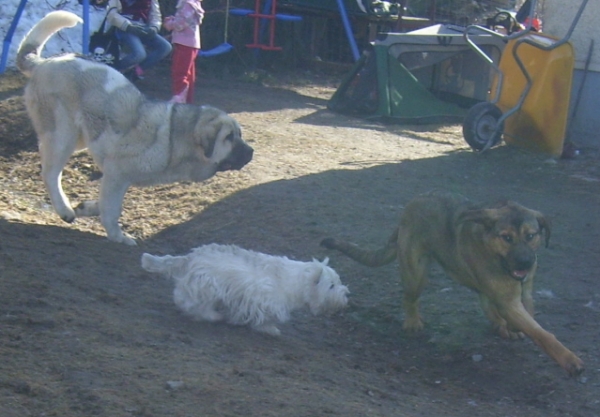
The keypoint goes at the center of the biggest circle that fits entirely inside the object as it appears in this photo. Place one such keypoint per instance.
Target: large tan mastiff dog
(76, 103)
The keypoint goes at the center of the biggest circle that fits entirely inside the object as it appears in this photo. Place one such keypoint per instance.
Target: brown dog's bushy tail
(375, 258)
(28, 54)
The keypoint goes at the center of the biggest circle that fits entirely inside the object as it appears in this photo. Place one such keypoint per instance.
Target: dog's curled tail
(378, 257)
(28, 54)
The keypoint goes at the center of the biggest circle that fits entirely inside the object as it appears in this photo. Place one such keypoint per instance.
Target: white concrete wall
(558, 17)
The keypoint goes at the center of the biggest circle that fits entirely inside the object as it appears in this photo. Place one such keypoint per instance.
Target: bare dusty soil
(84, 331)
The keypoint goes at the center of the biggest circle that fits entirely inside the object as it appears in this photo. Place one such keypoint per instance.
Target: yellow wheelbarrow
(530, 94)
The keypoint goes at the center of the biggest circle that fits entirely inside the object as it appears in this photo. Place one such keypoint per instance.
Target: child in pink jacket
(185, 25)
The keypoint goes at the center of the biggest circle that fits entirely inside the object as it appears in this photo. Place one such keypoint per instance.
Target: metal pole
(9, 35)
(85, 41)
(348, 29)
(15, 22)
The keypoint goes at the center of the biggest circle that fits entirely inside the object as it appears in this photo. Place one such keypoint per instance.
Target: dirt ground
(84, 331)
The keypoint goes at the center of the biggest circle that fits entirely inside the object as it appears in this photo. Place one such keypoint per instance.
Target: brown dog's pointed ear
(486, 217)
(545, 225)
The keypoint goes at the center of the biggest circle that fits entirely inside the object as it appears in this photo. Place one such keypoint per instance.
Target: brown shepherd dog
(491, 250)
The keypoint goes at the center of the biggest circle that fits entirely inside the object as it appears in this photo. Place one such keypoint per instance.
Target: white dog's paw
(66, 213)
(269, 329)
(128, 240)
(122, 238)
(60, 203)
(87, 209)
(68, 217)
(211, 316)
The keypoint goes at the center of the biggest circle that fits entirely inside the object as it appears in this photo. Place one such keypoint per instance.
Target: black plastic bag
(100, 4)
(104, 45)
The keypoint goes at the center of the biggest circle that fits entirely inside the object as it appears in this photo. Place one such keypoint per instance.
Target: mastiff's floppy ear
(199, 123)
(208, 127)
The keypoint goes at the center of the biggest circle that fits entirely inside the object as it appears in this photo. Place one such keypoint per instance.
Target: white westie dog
(227, 283)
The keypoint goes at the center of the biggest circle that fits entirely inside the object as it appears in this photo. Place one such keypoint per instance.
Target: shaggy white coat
(227, 283)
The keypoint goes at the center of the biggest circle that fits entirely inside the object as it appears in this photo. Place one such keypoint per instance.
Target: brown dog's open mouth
(519, 270)
(520, 275)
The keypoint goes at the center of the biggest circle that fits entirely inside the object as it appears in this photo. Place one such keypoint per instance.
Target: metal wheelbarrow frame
(542, 130)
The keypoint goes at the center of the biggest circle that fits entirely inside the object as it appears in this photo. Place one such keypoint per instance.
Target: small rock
(570, 150)
(174, 385)
(477, 358)
(545, 294)
(10, 215)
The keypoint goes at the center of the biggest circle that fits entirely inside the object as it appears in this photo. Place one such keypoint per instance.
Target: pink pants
(183, 72)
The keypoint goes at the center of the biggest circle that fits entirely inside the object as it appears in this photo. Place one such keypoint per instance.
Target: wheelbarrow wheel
(480, 126)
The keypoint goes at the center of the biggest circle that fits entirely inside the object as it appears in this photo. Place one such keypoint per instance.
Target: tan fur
(75, 103)
(491, 250)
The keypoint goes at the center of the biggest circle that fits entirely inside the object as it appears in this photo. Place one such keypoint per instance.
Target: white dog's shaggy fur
(227, 283)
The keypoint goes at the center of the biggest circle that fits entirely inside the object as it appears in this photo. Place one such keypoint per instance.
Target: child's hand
(168, 22)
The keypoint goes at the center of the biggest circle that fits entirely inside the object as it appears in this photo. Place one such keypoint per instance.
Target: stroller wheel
(480, 127)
